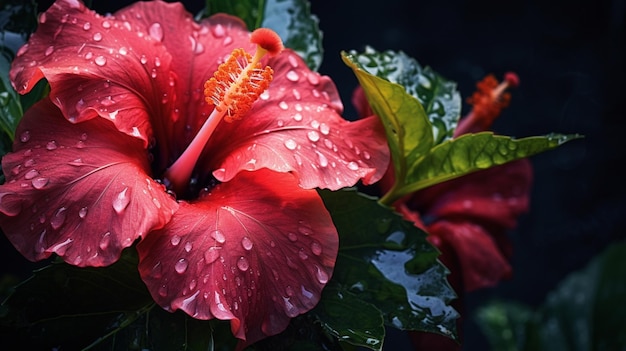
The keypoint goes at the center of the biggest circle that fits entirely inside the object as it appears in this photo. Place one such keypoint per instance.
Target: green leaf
(408, 129)
(250, 11)
(350, 319)
(585, 312)
(63, 305)
(387, 262)
(473, 152)
(438, 96)
(10, 107)
(294, 23)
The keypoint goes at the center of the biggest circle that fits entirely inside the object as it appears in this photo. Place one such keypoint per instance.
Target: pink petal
(296, 127)
(257, 251)
(480, 261)
(81, 190)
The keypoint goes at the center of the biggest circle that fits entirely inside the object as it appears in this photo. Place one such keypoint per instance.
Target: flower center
(234, 87)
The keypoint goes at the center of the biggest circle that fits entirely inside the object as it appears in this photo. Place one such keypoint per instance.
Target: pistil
(234, 87)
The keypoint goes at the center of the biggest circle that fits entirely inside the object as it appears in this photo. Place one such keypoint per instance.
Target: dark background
(570, 57)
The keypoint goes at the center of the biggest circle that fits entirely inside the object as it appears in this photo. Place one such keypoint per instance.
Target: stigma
(239, 81)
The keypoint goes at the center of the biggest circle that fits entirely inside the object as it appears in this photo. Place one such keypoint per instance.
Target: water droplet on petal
(291, 144)
(163, 290)
(212, 254)
(143, 59)
(58, 218)
(293, 76)
(218, 235)
(39, 183)
(156, 31)
(52, 145)
(283, 105)
(42, 18)
(175, 240)
(218, 30)
(100, 61)
(188, 246)
(97, 36)
(324, 128)
(321, 275)
(322, 159)
(31, 174)
(292, 237)
(25, 136)
(353, 165)
(303, 256)
(313, 135)
(121, 201)
(313, 78)
(82, 213)
(87, 26)
(316, 248)
(105, 241)
(243, 264)
(297, 117)
(49, 50)
(123, 50)
(246, 243)
(106, 24)
(181, 266)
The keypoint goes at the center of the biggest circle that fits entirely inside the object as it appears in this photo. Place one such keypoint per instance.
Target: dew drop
(100, 61)
(156, 31)
(16, 170)
(163, 290)
(313, 135)
(105, 241)
(246, 243)
(353, 166)
(97, 36)
(264, 95)
(313, 78)
(303, 256)
(42, 18)
(121, 201)
(188, 246)
(289, 291)
(143, 59)
(49, 50)
(292, 237)
(82, 213)
(31, 174)
(51, 145)
(321, 275)
(181, 266)
(58, 218)
(25, 136)
(175, 240)
(212, 254)
(218, 235)
(283, 105)
(87, 26)
(218, 30)
(106, 24)
(123, 50)
(324, 128)
(39, 183)
(243, 264)
(316, 248)
(291, 144)
(297, 117)
(293, 76)
(322, 159)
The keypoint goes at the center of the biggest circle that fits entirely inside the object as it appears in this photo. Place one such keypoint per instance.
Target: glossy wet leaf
(10, 106)
(63, 305)
(438, 96)
(250, 11)
(293, 21)
(473, 152)
(408, 129)
(350, 319)
(387, 262)
(585, 312)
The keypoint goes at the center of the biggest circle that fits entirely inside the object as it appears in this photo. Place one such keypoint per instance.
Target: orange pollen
(237, 84)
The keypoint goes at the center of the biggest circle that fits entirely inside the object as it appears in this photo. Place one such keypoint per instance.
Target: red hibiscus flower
(467, 217)
(174, 132)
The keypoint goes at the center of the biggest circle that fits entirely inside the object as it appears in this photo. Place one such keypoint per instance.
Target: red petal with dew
(143, 66)
(256, 250)
(494, 197)
(81, 190)
(296, 127)
(480, 261)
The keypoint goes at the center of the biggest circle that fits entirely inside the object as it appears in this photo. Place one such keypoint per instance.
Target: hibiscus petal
(296, 127)
(81, 191)
(480, 261)
(495, 197)
(257, 251)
